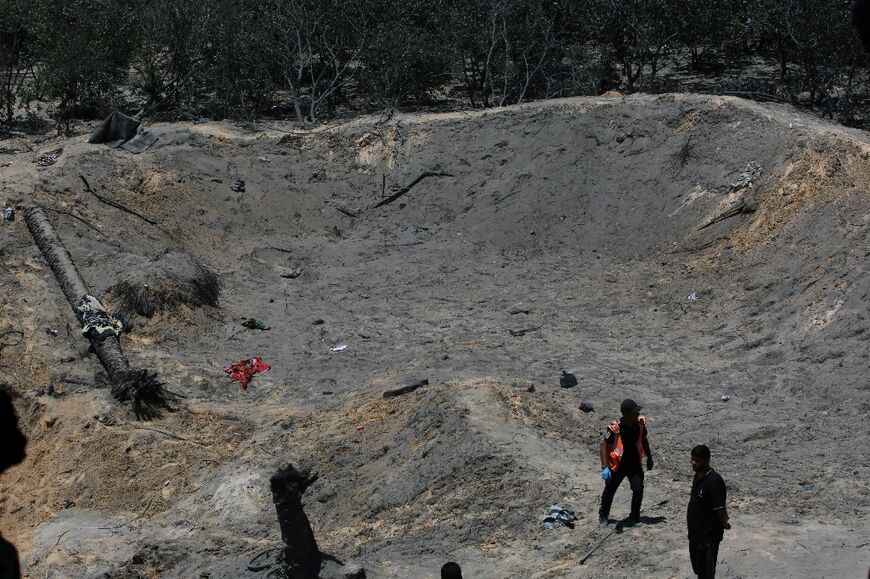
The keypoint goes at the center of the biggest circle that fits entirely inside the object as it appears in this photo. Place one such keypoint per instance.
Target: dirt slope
(568, 233)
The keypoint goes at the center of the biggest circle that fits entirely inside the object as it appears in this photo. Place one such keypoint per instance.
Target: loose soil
(579, 233)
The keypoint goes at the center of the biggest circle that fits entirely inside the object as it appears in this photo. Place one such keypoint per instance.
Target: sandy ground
(566, 234)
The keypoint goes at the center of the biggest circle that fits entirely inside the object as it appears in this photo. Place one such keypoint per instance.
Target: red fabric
(244, 370)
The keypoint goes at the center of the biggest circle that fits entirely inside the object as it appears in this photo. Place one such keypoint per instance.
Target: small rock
(292, 273)
(238, 186)
(318, 322)
(105, 419)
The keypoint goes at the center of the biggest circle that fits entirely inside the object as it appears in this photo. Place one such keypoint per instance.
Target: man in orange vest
(624, 445)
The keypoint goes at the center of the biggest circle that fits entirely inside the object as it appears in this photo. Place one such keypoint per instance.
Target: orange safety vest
(615, 455)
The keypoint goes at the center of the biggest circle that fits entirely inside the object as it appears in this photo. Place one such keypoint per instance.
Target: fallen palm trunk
(141, 387)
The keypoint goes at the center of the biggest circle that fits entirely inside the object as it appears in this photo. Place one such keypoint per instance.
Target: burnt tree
(139, 386)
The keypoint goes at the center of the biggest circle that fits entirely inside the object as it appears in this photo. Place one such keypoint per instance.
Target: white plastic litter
(725, 398)
(338, 348)
(693, 297)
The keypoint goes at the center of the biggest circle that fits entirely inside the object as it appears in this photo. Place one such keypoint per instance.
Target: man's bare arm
(723, 517)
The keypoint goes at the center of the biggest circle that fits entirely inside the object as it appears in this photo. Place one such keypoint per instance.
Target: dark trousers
(635, 479)
(703, 556)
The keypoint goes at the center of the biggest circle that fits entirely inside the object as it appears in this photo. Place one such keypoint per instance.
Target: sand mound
(171, 280)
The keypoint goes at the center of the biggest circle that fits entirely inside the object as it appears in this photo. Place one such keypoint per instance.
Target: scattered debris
(682, 156)
(360, 427)
(15, 150)
(747, 178)
(346, 211)
(409, 387)
(244, 370)
(121, 131)
(404, 190)
(238, 186)
(531, 388)
(116, 205)
(255, 324)
(318, 322)
(557, 517)
(363, 295)
(725, 398)
(327, 392)
(567, 379)
(692, 297)
(51, 331)
(586, 407)
(49, 158)
(523, 331)
(519, 310)
(97, 323)
(292, 273)
(338, 348)
(105, 419)
(809, 487)
(8, 214)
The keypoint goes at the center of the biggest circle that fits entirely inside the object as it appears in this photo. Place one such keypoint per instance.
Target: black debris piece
(410, 387)
(121, 131)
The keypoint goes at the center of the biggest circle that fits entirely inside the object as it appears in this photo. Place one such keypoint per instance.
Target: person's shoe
(603, 521)
(632, 520)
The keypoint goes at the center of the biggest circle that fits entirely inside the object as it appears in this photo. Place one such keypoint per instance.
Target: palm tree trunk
(139, 386)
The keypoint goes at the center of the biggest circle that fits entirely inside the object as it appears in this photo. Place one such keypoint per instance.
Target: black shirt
(708, 496)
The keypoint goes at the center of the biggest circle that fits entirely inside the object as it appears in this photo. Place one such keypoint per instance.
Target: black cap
(629, 405)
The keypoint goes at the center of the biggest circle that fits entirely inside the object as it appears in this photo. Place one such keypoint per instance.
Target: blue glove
(605, 473)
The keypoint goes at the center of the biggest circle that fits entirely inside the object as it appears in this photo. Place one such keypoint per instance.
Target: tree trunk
(139, 386)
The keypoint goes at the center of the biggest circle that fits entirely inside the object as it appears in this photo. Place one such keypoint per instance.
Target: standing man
(706, 518)
(624, 445)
